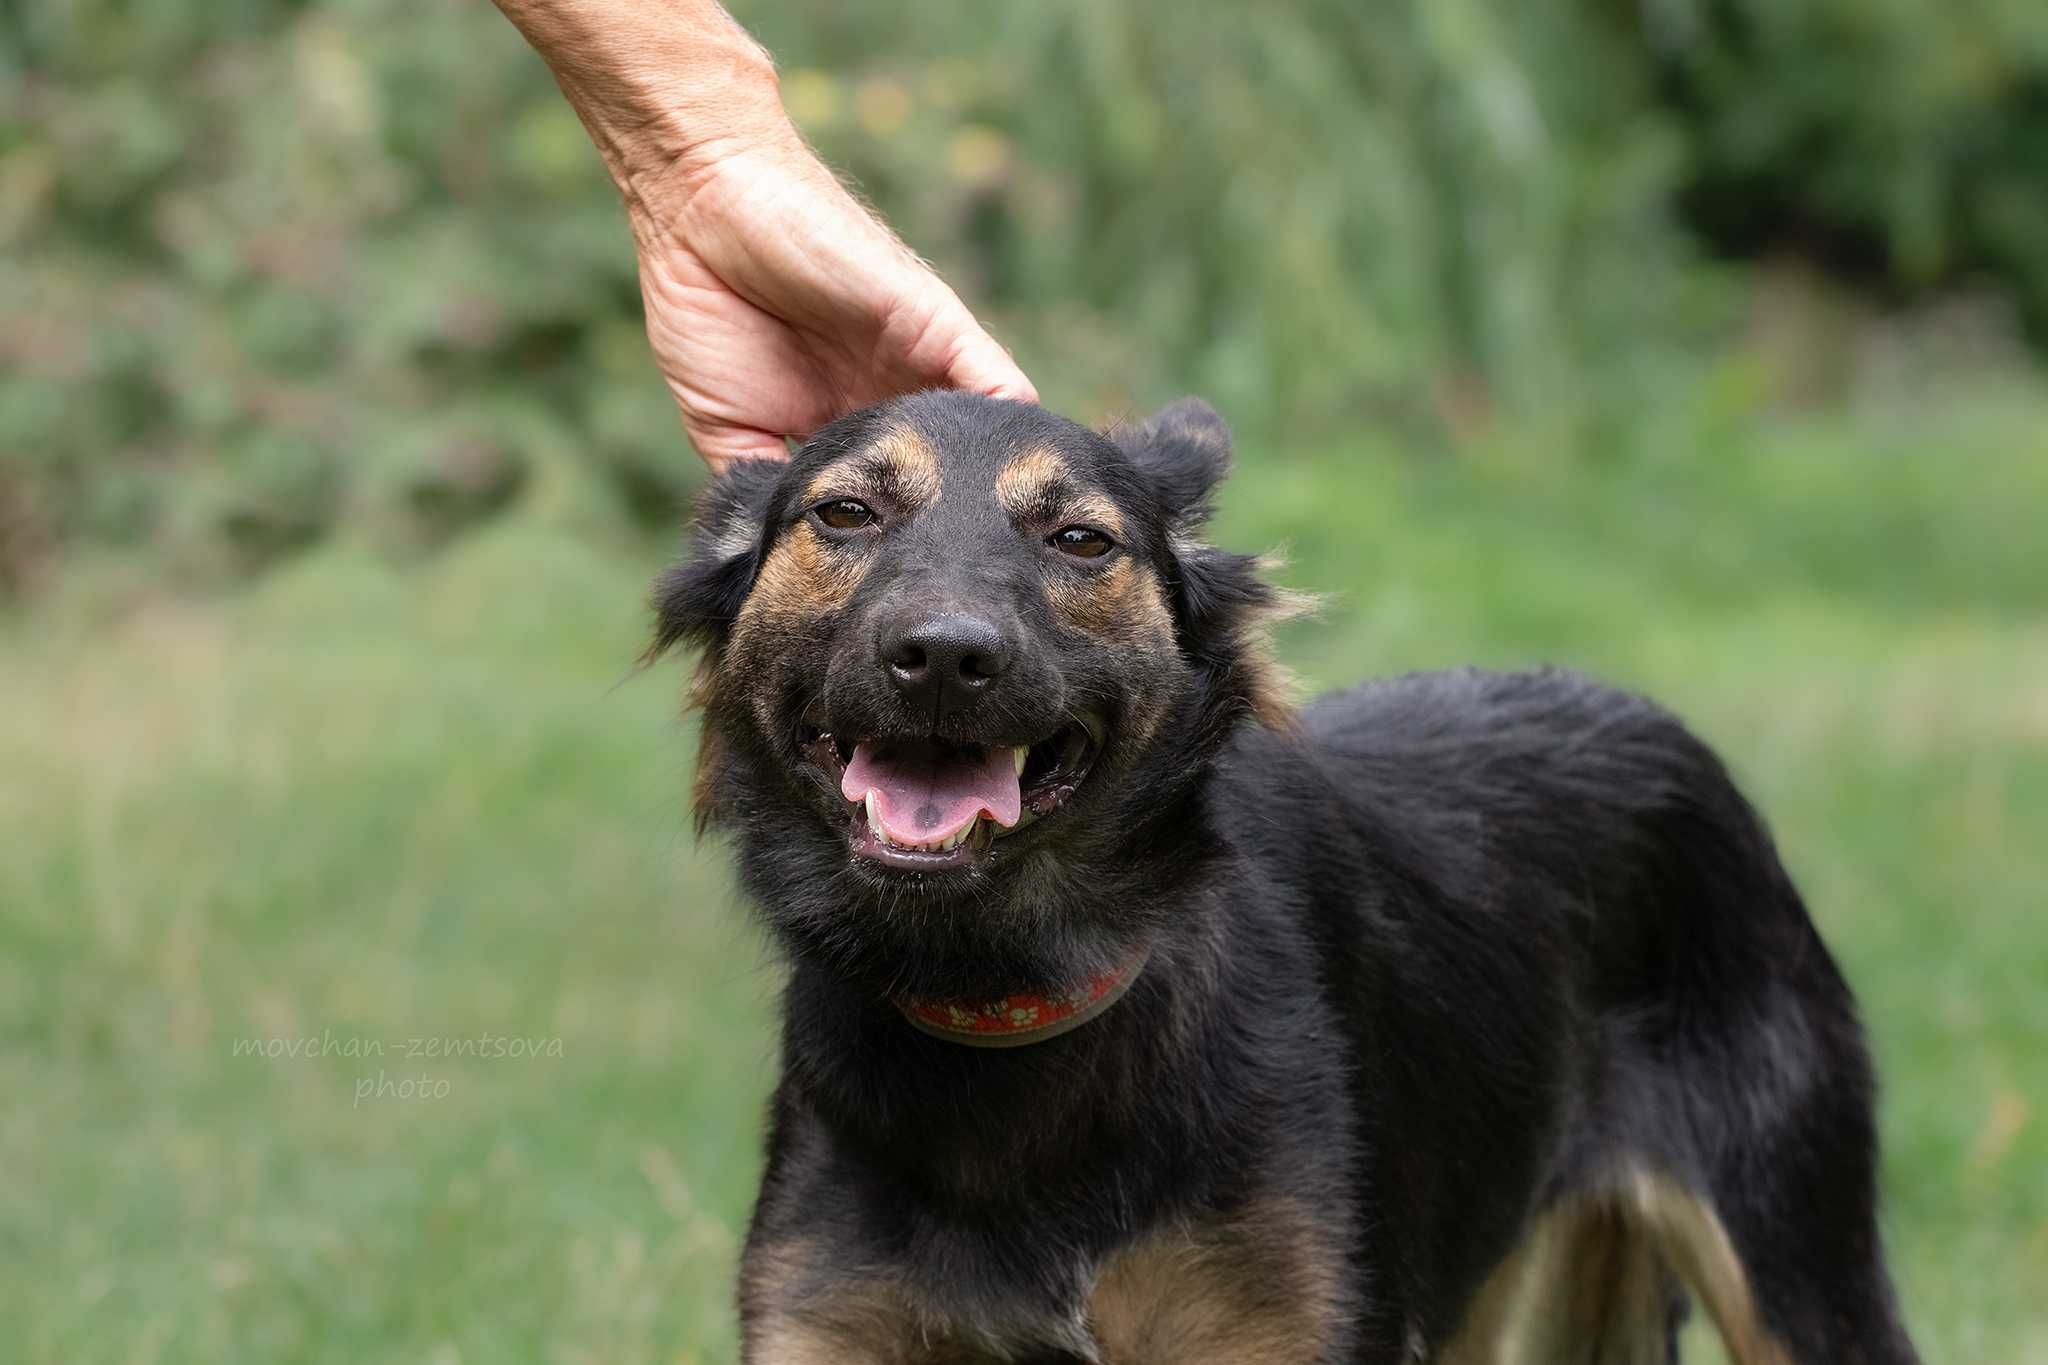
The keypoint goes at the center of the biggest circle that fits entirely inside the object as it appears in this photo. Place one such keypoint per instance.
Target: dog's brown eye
(1084, 542)
(844, 514)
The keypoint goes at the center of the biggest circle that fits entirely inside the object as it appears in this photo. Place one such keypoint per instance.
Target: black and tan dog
(1131, 1017)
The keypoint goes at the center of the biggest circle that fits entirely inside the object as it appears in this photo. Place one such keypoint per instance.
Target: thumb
(982, 366)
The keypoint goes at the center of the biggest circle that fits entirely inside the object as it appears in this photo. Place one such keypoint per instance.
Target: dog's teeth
(874, 813)
(1018, 756)
(941, 845)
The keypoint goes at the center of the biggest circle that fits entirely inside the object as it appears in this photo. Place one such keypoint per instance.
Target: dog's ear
(696, 601)
(1223, 606)
(1184, 449)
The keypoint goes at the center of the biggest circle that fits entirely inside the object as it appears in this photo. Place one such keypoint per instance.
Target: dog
(1133, 1015)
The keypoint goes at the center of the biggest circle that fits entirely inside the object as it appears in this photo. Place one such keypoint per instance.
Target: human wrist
(665, 87)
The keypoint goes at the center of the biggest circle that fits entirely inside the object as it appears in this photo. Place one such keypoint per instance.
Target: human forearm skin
(663, 86)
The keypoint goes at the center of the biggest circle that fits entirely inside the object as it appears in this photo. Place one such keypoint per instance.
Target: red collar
(1015, 1020)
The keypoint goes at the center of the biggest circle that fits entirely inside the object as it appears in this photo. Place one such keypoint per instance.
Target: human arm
(775, 301)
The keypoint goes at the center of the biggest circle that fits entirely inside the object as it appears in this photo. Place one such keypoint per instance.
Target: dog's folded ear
(696, 601)
(1223, 606)
(1184, 448)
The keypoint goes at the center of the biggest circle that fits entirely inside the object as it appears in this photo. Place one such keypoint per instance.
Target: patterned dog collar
(1014, 1020)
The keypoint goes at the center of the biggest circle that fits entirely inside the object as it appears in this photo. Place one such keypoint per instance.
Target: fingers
(938, 338)
(982, 366)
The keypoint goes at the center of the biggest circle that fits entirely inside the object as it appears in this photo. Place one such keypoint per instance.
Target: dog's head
(962, 661)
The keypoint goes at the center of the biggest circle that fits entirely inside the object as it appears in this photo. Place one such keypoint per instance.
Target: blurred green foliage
(269, 268)
(1904, 142)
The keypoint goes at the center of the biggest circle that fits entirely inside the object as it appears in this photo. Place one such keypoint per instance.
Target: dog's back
(1601, 1011)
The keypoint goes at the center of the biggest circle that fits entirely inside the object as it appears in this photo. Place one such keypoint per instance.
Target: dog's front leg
(1263, 1284)
(800, 1306)
(786, 1341)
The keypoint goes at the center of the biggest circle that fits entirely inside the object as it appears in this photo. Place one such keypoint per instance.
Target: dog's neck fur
(1027, 1125)
(1037, 1122)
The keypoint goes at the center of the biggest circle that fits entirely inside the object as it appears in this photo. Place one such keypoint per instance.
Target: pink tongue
(923, 793)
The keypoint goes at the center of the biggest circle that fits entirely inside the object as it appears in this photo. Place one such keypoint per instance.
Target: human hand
(776, 302)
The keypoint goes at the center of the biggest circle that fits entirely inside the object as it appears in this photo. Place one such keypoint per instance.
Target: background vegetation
(1684, 340)
(272, 268)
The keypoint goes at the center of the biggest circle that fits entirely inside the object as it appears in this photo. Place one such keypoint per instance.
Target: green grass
(369, 801)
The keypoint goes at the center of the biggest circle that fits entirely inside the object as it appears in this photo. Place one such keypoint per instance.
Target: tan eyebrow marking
(1038, 485)
(900, 467)
(1095, 509)
(1022, 482)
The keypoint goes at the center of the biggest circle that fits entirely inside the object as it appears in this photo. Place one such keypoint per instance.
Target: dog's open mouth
(925, 804)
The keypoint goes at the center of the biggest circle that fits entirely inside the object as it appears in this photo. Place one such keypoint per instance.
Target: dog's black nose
(944, 664)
